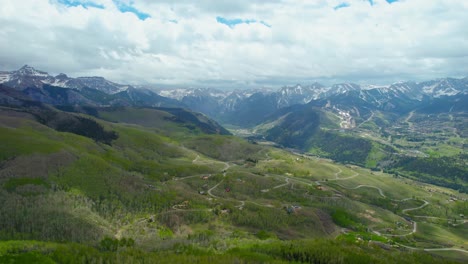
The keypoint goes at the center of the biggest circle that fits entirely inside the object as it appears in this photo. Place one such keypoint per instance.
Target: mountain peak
(26, 67)
(61, 76)
(317, 84)
(345, 87)
(28, 70)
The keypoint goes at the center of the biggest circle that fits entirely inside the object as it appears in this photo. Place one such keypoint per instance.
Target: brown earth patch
(368, 215)
(13, 119)
(326, 220)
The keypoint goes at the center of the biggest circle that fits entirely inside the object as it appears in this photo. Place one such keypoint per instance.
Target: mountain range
(95, 171)
(92, 91)
(240, 107)
(251, 107)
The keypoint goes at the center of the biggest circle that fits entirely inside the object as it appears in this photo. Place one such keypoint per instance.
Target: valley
(228, 200)
(115, 183)
(140, 132)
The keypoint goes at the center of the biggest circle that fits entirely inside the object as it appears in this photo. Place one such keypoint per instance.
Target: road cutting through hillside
(433, 249)
(415, 228)
(119, 232)
(318, 182)
(364, 185)
(226, 165)
(415, 208)
(338, 172)
(212, 188)
(367, 120)
(407, 120)
(289, 180)
(278, 186)
(405, 212)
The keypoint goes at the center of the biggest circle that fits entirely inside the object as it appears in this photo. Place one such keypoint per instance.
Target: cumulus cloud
(237, 43)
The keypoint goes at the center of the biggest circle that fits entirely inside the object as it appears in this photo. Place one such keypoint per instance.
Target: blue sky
(371, 2)
(85, 4)
(235, 21)
(342, 5)
(232, 22)
(243, 43)
(122, 6)
(388, 1)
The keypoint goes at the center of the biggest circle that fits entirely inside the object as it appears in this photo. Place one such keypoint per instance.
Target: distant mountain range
(239, 107)
(345, 122)
(28, 77)
(64, 90)
(251, 107)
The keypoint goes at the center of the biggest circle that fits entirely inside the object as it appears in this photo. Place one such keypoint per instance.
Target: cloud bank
(237, 43)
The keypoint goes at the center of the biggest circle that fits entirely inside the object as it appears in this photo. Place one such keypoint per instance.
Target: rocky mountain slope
(230, 106)
(64, 90)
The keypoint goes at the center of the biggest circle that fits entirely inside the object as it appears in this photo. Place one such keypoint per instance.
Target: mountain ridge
(229, 106)
(245, 108)
(93, 91)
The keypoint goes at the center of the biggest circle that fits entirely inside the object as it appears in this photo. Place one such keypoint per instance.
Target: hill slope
(182, 190)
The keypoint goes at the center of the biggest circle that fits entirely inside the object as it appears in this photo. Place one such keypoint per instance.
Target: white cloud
(182, 43)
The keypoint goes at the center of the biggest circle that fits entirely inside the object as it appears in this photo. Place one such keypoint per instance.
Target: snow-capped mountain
(357, 99)
(342, 88)
(35, 85)
(98, 83)
(445, 87)
(24, 77)
(298, 94)
(29, 77)
(231, 102)
(239, 107)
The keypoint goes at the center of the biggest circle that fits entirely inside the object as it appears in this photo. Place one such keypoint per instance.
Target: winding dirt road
(337, 178)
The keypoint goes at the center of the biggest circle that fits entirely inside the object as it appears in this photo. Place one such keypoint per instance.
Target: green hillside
(421, 146)
(165, 185)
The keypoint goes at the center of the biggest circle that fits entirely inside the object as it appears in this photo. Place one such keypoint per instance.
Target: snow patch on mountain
(5, 77)
(55, 82)
(29, 77)
(30, 71)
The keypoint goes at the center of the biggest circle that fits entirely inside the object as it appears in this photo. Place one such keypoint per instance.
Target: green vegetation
(65, 122)
(162, 192)
(295, 128)
(342, 148)
(25, 141)
(444, 171)
(304, 251)
(343, 218)
(223, 148)
(14, 183)
(425, 145)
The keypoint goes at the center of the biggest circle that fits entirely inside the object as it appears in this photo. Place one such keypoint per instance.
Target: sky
(240, 44)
